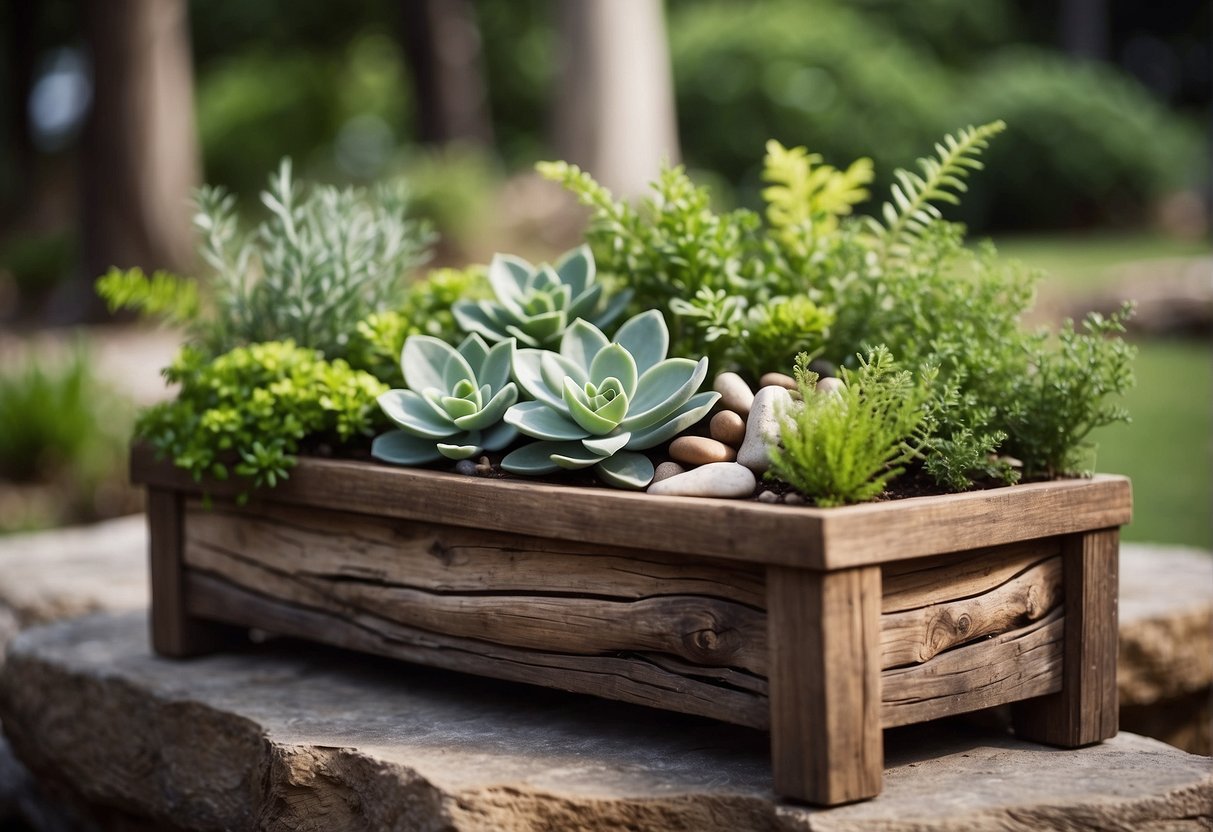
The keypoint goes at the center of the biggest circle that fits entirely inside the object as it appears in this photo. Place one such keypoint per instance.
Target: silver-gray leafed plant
(536, 304)
(455, 401)
(598, 403)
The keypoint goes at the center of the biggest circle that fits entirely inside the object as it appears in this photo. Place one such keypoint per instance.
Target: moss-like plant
(598, 402)
(455, 403)
(844, 446)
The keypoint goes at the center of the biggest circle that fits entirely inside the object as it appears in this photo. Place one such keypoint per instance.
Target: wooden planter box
(822, 626)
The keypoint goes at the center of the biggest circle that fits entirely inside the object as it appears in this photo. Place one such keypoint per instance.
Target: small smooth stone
(484, 470)
(735, 394)
(700, 450)
(762, 428)
(666, 470)
(716, 479)
(830, 385)
(768, 497)
(727, 427)
(777, 380)
(465, 467)
(792, 498)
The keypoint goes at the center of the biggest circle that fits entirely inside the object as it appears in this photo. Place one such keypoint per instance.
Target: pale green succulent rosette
(536, 304)
(598, 403)
(455, 402)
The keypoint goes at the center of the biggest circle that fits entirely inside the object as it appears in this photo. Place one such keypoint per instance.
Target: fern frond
(804, 190)
(914, 197)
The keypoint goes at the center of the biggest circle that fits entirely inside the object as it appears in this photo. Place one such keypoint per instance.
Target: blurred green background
(1102, 178)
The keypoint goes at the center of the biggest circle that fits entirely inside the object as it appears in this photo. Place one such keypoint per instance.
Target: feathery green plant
(913, 208)
(806, 194)
(162, 295)
(845, 446)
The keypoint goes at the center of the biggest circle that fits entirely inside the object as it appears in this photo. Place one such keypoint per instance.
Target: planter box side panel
(654, 629)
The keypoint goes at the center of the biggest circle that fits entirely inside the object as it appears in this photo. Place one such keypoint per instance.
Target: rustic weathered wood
(824, 631)
(174, 632)
(918, 635)
(746, 531)
(1015, 665)
(630, 678)
(1085, 710)
(917, 583)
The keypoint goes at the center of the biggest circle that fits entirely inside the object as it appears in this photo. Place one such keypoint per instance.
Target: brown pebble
(484, 470)
(728, 427)
(778, 380)
(666, 470)
(700, 450)
(768, 497)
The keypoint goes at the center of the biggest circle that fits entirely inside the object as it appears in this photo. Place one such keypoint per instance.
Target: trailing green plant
(846, 445)
(1068, 390)
(536, 304)
(455, 401)
(596, 403)
(248, 411)
(323, 260)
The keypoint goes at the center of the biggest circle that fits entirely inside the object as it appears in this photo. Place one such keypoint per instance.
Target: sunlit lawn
(1168, 449)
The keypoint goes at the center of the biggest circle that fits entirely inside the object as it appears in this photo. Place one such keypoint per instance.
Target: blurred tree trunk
(19, 56)
(140, 153)
(442, 45)
(1084, 28)
(615, 112)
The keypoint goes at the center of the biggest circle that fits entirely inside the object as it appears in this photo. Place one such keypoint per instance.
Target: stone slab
(291, 736)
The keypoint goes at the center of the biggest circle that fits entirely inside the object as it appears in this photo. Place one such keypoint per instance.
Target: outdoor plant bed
(821, 625)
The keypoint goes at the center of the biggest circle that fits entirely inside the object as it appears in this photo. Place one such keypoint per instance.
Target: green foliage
(807, 194)
(1064, 394)
(597, 403)
(455, 403)
(912, 209)
(163, 295)
(248, 411)
(845, 446)
(57, 420)
(424, 310)
(324, 259)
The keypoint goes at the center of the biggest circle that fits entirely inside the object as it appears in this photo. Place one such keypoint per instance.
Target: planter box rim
(797, 536)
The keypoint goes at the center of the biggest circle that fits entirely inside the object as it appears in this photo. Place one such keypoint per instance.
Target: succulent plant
(536, 304)
(455, 401)
(596, 403)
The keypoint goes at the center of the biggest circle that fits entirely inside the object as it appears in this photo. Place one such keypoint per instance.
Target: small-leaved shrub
(248, 411)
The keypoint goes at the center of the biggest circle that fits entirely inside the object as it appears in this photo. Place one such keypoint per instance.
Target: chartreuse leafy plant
(247, 412)
(536, 304)
(455, 401)
(597, 403)
(845, 446)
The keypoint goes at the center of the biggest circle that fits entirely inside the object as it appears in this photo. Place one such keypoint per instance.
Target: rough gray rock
(293, 737)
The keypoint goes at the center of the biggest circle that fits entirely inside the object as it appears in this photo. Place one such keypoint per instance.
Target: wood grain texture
(824, 631)
(919, 635)
(632, 678)
(1023, 663)
(174, 632)
(917, 583)
(1085, 710)
(748, 531)
(519, 605)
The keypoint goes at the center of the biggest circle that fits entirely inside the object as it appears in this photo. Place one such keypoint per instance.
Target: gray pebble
(465, 467)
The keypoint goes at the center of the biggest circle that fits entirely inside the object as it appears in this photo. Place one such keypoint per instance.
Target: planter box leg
(1085, 710)
(174, 633)
(826, 742)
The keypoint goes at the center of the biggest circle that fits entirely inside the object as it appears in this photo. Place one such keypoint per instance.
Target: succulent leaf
(684, 417)
(609, 444)
(615, 362)
(538, 420)
(646, 338)
(536, 304)
(581, 342)
(536, 458)
(625, 469)
(449, 412)
(663, 389)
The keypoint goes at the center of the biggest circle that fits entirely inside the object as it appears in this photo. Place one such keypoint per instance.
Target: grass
(1168, 448)
(1082, 262)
